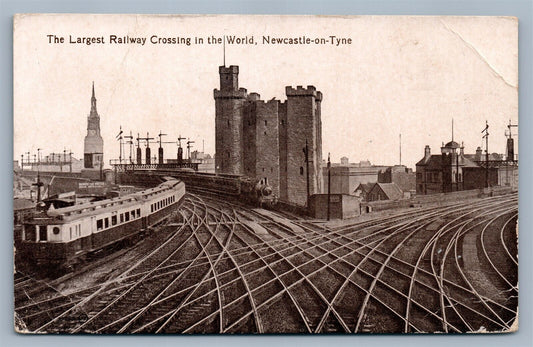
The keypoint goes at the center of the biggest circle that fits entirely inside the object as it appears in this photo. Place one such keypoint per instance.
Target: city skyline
(411, 73)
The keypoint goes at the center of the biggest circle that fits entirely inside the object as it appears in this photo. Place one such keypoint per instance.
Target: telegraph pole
(329, 184)
(39, 184)
(306, 156)
(486, 137)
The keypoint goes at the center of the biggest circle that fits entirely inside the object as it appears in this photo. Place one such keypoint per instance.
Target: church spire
(93, 104)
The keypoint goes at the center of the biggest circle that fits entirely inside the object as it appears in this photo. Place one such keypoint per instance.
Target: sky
(399, 75)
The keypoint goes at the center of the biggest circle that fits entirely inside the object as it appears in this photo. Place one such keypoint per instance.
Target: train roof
(97, 207)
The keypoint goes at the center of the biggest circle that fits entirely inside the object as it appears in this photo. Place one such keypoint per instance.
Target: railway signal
(189, 149)
(121, 144)
(147, 139)
(486, 137)
(129, 142)
(161, 146)
(510, 141)
(180, 149)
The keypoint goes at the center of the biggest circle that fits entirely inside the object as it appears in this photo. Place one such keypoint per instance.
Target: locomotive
(61, 238)
(256, 192)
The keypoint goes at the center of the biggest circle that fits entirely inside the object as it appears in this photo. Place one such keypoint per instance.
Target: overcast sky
(408, 75)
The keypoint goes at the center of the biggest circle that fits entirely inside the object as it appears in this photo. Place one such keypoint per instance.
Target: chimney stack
(427, 152)
(478, 154)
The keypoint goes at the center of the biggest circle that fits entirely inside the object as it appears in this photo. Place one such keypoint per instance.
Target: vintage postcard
(265, 174)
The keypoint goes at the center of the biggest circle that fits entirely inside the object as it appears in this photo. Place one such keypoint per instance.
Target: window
(127, 216)
(265, 122)
(42, 233)
(121, 218)
(70, 232)
(106, 223)
(138, 212)
(133, 214)
(113, 220)
(56, 230)
(152, 208)
(99, 224)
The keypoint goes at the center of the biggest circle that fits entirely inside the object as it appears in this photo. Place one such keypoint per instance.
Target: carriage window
(121, 218)
(133, 214)
(106, 223)
(138, 212)
(42, 233)
(152, 208)
(55, 230)
(99, 224)
(127, 216)
(113, 220)
(70, 232)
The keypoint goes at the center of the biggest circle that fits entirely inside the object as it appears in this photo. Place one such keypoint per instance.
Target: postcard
(239, 174)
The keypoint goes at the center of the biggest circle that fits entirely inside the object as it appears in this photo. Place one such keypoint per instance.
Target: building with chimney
(453, 170)
(280, 142)
(93, 149)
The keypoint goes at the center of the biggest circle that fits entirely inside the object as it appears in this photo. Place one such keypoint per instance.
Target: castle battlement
(269, 102)
(230, 69)
(230, 94)
(301, 91)
(254, 97)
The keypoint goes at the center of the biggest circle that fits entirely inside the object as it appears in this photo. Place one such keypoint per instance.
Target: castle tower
(229, 102)
(303, 123)
(93, 153)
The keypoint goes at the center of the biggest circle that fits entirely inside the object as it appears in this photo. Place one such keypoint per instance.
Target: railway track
(232, 269)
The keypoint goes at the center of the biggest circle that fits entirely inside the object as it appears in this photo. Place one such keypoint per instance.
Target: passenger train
(62, 237)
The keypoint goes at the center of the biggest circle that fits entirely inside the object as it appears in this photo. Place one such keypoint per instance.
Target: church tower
(93, 153)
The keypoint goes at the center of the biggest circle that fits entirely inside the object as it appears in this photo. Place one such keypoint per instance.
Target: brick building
(402, 176)
(266, 139)
(452, 170)
(384, 191)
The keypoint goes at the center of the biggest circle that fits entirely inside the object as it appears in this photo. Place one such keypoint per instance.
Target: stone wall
(267, 143)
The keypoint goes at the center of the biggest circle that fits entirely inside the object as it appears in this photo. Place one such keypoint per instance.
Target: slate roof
(435, 161)
(365, 187)
(391, 190)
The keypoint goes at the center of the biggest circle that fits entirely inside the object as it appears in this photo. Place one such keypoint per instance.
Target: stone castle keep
(267, 140)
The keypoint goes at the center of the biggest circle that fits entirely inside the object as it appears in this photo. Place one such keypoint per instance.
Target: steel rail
(503, 241)
(105, 284)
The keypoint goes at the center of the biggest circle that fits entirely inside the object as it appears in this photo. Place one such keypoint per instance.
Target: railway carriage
(61, 237)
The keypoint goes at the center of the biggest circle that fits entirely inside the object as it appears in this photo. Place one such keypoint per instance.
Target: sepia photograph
(254, 174)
